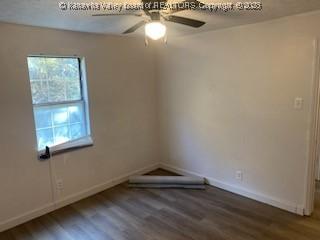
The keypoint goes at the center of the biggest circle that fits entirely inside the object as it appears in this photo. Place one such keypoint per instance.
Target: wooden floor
(137, 214)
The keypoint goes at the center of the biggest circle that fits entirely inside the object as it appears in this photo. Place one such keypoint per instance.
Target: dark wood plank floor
(153, 214)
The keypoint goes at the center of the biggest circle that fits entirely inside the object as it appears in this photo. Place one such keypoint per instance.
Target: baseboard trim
(12, 222)
(15, 221)
(101, 187)
(275, 202)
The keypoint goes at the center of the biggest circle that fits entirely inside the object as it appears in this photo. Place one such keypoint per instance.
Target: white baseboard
(279, 203)
(101, 187)
(12, 222)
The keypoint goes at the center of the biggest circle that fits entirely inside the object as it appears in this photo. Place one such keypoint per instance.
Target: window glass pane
(75, 114)
(54, 79)
(57, 91)
(45, 138)
(37, 68)
(73, 90)
(60, 116)
(43, 118)
(77, 130)
(39, 91)
(61, 134)
(56, 124)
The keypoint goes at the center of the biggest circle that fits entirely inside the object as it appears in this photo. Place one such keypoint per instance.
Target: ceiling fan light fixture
(155, 30)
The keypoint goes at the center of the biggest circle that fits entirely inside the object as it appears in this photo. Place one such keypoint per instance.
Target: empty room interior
(160, 119)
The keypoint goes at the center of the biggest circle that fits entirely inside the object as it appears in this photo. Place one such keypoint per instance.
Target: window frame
(84, 101)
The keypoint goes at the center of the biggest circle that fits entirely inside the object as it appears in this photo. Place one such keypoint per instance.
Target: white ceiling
(46, 13)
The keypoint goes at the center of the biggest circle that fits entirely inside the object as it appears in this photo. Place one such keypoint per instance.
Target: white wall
(121, 84)
(224, 98)
(226, 104)
(318, 169)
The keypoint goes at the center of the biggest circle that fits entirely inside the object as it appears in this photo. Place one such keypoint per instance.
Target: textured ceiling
(46, 13)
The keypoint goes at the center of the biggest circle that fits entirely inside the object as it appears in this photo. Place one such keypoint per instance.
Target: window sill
(69, 146)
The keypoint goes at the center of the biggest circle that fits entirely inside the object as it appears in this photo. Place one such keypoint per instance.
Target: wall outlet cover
(239, 175)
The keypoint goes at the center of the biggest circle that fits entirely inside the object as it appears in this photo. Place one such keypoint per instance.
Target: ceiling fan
(154, 14)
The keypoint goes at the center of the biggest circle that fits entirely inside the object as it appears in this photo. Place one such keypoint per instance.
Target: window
(59, 100)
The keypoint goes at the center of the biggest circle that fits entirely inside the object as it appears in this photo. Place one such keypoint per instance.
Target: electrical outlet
(239, 175)
(298, 103)
(59, 184)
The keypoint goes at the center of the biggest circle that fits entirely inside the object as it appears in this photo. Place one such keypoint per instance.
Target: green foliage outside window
(54, 79)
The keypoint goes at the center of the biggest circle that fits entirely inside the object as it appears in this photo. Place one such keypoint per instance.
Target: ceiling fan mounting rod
(155, 16)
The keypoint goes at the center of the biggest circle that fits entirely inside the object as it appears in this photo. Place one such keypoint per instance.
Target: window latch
(46, 155)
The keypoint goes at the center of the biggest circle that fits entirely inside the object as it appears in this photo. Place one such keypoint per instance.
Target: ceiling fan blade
(116, 14)
(185, 21)
(135, 27)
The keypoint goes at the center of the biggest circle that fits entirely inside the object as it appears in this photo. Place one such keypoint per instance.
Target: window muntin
(58, 102)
